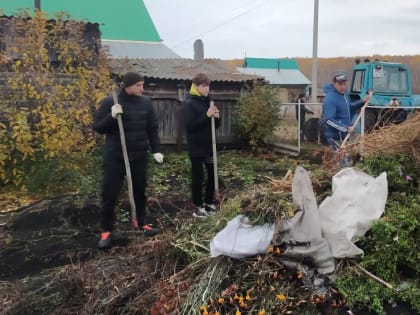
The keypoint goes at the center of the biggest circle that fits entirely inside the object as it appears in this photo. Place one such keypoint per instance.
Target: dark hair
(201, 78)
(301, 95)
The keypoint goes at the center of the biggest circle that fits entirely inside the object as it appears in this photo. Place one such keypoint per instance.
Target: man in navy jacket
(141, 132)
(337, 111)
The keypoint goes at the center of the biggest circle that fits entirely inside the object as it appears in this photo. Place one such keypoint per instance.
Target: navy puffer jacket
(140, 126)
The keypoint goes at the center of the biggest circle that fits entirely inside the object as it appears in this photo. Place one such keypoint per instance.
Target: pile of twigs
(107, 285)
(284, 184)
(390, 140)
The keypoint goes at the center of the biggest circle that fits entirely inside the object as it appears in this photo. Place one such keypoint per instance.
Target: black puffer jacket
(198, 126)
(140, 126)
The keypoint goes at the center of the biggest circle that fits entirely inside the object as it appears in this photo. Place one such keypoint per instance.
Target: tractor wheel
(311, 129)
(371, 117)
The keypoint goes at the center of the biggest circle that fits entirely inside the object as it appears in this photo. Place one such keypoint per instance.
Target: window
(358, 80)
(393, 79)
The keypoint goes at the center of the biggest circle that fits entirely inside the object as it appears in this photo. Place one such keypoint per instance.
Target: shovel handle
(213, 141)
(127, 167)
(362, 110)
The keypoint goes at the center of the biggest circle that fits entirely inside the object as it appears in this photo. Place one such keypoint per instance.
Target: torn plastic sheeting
(305, 226)
(239, 239)
(330, 231)
(357, 200)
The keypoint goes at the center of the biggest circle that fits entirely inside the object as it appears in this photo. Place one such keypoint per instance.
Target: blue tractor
(390, 83)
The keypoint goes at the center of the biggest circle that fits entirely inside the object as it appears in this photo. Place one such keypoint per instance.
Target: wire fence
(300, 123)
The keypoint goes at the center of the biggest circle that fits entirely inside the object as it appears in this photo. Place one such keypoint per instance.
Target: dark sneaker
(200, 213)
(210, 207)
(150, 231)
(105, 241)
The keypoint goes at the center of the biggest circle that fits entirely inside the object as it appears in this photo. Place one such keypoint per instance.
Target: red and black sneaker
(150, 231)
(105, 240)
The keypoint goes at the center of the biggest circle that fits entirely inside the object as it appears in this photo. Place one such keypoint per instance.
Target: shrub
(47, 109)
(391, 247)
(257, 114)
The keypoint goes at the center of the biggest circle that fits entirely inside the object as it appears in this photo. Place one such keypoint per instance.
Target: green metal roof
(265, 63)
(118, 20)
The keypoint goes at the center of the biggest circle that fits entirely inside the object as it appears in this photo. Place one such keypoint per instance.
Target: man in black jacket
(197, 116)
(141, 130)
(300, 106)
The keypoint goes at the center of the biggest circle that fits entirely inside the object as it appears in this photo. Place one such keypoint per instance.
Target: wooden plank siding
(171, 125)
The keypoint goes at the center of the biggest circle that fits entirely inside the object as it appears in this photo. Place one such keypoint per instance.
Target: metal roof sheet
(267, 63)
(279, 77)
(181, 69)
(137, 49)
(128, 19)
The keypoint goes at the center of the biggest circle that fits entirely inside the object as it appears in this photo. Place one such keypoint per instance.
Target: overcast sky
(283, 28)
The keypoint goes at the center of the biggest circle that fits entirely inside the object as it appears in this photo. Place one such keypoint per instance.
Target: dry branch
(390, 140)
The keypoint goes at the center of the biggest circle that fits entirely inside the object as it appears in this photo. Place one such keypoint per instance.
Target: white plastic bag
(240, 239)
(357, 200)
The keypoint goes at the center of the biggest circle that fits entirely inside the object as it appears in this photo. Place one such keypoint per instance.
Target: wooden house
(167, 82)
(126, 28)
(283, 73)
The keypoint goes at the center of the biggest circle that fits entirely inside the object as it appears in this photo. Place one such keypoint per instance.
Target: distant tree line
(328, 66)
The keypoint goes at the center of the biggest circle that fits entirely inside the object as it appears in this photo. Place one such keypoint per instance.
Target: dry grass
(390, 140)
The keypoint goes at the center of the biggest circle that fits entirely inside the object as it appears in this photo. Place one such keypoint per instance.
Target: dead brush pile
(391, 140)
(255, 285)
(106, 285)
(173, 273)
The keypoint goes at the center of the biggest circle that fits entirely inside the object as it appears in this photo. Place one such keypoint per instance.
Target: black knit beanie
(131, 78)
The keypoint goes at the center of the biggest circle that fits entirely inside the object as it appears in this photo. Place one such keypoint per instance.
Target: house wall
(11, 39)
(168, 97)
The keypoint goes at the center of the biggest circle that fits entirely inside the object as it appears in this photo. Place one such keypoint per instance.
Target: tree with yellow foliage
(47, 108)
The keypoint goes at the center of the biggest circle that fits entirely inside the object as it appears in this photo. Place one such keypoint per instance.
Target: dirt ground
(49, 263)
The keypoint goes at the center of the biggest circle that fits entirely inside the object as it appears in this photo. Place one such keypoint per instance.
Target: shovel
(213, 140)
(127, 167)
(362, 110)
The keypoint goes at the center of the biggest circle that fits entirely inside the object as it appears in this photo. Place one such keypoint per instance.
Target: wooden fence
(169, 108)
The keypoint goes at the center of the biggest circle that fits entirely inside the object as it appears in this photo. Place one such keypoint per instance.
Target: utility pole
(38, 5)
(314, 91)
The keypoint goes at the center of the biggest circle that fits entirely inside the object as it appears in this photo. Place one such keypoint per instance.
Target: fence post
(298, 125)
(181, 99)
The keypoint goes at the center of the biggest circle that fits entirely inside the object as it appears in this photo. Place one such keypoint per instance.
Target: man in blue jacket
(337, 111)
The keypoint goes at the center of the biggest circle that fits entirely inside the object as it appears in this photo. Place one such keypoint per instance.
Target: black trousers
(197, 167)
(114, 173)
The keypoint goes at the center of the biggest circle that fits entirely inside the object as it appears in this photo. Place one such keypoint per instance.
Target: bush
(391, 247)
(402, 173)
(47, 109)
(257, 114)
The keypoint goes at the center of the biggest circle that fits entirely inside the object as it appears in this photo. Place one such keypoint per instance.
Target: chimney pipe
(198, 50)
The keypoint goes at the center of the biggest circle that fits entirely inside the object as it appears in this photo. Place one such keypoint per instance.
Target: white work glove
(116, 110)
(158, 157)
(213, 111)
